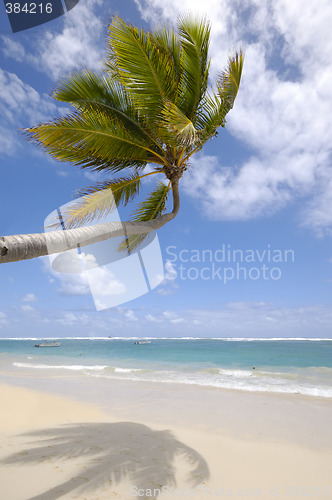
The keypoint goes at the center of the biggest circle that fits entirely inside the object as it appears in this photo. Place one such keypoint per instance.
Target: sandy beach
(126, 440)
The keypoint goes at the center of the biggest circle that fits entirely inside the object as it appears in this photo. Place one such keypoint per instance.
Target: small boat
(143, 342)
(48, 344)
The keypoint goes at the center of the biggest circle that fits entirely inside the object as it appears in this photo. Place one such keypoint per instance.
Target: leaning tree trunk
(29, 246)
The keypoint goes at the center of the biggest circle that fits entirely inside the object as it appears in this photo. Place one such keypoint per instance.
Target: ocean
(289, 366)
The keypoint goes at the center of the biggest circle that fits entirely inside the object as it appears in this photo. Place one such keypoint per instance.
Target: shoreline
(230, 411)
(90, 439)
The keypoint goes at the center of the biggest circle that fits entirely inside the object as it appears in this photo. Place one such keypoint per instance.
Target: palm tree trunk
(29, 246)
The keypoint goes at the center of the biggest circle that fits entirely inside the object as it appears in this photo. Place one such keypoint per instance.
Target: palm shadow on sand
(129, 451)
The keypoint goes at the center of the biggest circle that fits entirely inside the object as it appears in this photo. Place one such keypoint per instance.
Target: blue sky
(263, 185)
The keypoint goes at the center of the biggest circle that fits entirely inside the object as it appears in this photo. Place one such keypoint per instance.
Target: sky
(249, 254)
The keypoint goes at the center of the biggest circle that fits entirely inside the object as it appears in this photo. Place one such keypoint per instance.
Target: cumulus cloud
(79, 274)
(18, 101)
(71, 279)
(79, 44)
(75, 284)
(30, 297)
(68, 319)
(262, 319)
(282, 112)
(12, 48)
(130, 315)
(168, 285)
(20, 106)
(172, 317)
(152, 318)
(27, 309)
(246, 319)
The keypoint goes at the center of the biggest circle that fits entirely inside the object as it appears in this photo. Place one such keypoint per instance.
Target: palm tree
(151, 105)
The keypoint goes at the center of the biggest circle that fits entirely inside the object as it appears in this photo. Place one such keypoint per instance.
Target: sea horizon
(245, 339)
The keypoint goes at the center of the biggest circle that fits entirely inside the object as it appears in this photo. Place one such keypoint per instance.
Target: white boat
(48, 344)
(143, 342)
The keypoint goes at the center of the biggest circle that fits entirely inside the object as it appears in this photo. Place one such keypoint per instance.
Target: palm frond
(88, 86)
(195, 35)
(210, 116)
(168, 40)
(80, 137)
(99, 200)
(213, 108)
(146, 71)
(147, 210)
(88, 91)
(176, 122)
(229, 81)
(154, 205)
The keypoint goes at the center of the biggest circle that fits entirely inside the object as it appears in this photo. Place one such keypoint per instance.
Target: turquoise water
(272, 365)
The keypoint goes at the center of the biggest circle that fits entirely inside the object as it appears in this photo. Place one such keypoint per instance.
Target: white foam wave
(235, 379)
(235, 373)
(61, 367)
(126, 370)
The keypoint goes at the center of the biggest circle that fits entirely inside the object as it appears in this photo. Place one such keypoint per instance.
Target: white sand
(204, 444)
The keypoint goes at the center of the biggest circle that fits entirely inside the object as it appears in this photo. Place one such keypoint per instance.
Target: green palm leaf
(229, 81)
(147, 210)
(145, 70)
(213, 108)
(82, 137)
(195, 64)
(167, 40)
(153, 206)
(99, 200)
(88, 91)
(210, 116)
(177, 123)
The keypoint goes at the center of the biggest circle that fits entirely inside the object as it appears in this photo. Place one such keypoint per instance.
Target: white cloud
(72, 280)
(68, 319)
(261, 319)
(172, 317)
(318, 212)
(244, 319)
(20, 106)
(98, 281)
(103, 283)
(153, 319)
(62, 173)
(18, 101)
(93, 176)
(282, 112)
(175, 321)
(168, 286)
(73, 284)
(12, 48)
(30, 297)
(79, 44)
(130, 315)
(26, 308)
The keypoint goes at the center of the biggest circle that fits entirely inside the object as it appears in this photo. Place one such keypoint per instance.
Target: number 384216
(28, 8)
